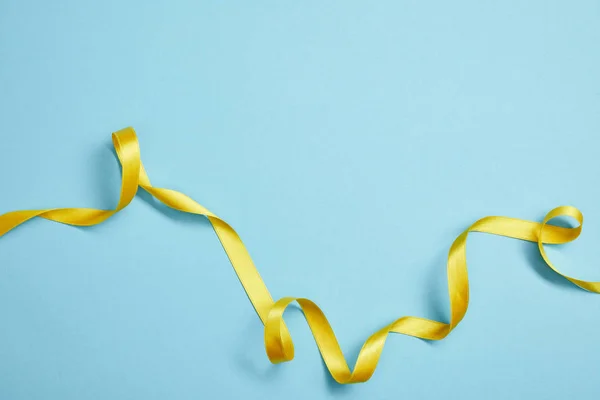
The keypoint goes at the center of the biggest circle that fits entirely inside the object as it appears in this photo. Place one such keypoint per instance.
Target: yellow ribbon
(278, 342)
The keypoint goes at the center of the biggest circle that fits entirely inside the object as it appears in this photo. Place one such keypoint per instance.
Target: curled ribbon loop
(278, 342)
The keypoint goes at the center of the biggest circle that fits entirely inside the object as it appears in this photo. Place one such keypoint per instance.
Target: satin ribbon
(278, 342)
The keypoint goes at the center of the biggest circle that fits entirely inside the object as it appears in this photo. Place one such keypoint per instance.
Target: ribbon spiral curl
(278, 342)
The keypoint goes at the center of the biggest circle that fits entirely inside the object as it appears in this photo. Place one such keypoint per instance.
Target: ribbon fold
(278, 342)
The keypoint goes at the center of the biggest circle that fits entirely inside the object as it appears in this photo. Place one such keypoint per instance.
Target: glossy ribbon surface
(278, 342)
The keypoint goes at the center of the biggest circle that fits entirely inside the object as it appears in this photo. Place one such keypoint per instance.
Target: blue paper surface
(348, 143)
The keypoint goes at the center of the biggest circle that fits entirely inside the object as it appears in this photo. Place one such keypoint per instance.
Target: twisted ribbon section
(278, 342)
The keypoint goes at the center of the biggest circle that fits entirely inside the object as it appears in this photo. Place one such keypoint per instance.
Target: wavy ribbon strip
(278, 342)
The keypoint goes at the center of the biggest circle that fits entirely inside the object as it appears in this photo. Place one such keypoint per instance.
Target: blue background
(348, 142)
